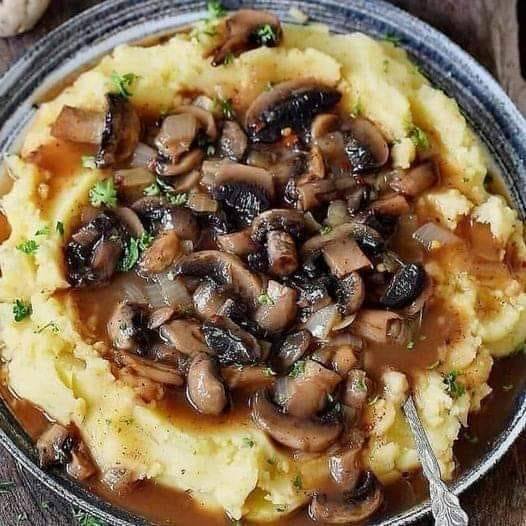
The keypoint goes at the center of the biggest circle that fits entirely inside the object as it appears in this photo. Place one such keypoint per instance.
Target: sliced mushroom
(127, 326)
(176, 135)
(379, 326)
(130, 220)
(292, 104)
(279, 311)
(416, 180)
(79, 125)
(81, 467)
(404, 287)
(233, 142)
(349, 508)
(392, 205)
(247, 377)
(224, 269)
(54, 446)
(292, 349)
(323, 124)
(181, 221)
(209, 297)
(185, 335)
(339, 357)
(280, 219)
(356, 389)
(237, 243)
(345, 466)
(306, 394)
(184, 164)
(204, 117)
(241, 33)
(310, 435)
(205, 390)
(350, 293)
(105, 258)
(344, 256)
(282, 254)
(165, 248)
(160, 316)
(366, 148)
(230, 343)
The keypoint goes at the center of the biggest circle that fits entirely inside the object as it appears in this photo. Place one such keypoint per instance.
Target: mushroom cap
(404, 287)
(291, 104)
(285, 219)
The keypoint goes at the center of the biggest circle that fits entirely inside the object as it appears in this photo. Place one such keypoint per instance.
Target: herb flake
(123, 83)
(60, 228)
(454, 388)
(104, 193)
(297, 369)
(265, 299)
(266, 35)
(298, 482)
(21, 310)
(30, 246)
(419, 138)
(248, 442)
(88, 162)
(225, 105)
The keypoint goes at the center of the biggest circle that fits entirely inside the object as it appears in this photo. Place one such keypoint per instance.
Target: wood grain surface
(488, 29)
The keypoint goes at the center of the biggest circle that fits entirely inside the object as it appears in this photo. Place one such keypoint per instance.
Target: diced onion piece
(134, 177)
(432, 236)
(337, 213)
(142, 156)
(322, 321)
(173, 291)
(133, 292)
(177, 134)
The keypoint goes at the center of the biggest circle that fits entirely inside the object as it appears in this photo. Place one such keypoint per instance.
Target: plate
(85, 38)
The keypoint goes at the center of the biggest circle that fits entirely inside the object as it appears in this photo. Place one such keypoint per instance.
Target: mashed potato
(50, 364)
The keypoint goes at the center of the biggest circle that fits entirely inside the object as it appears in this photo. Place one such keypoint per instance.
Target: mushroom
(205, 390)
(350, 293)
(19, 16)
(379, 326)
(181, 221)
(247, 377)
(165, 248)
(230, 343)
(366, 148)
(245, 191)
(292, 104)
(356, 389)
(323, 124)
(209, 297)
(345, 464)
(244, 30)
(94, 250)
(146, 389)
(293, 348)
(183, 165)
(233, 141)
(81, 467)
(279, 311)
(54, 446)
(127, 327)
(351, 507)
(416, 180)
(278, 219)
(304, 394)
(344, 256)
(160, 316)
(225, 269)
(341, 358)
(185, 335)
(237, 243)
(116, 131)
(405, 286)
(130, 220)
(204, 117)
(310, 435)
(391, 205)
(282, 254)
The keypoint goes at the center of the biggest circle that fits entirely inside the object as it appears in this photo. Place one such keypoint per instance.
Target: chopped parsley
(281, 508)
(248, 442)
(419, 138)
(152, 190)
(145, 240)
(271, 461)
(85, 519)
(225, 105)
(60, 228)
(50, 325)
(30, 246)
(386, 65)
(393, 39)
(297, 369)
(297, 482)
(104, 193)
(325, 229)
(21, 310)
(42, 231)
(88, 161)
(132, 251)
(229, 59)
(265, 299)
(6, 486)
(266, 35)
(359, 383)
(177, 199)
(123, 83)
(454, 389)
(357, 109)
(215, 10)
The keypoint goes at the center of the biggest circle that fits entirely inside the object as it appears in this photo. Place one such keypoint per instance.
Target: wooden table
(488, 29)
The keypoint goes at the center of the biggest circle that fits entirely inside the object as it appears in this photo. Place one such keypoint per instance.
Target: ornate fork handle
(444, 504)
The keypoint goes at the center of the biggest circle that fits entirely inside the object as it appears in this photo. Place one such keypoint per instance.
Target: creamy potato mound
(237, 467)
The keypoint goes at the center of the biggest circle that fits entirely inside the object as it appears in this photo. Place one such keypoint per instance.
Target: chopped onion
(202, 101)
(432, 236)
(133, 292)
(173, 291)
(154, 295)
(337, 213)
(200, 202)
(177, 134)
(134, 177)
(142, 156)
(322, 321)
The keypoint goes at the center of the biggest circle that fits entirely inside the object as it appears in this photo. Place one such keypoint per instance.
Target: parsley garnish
(122, 83)
(357, 109)
(88, 161)
(145, 240)
(297, 482)
(30, 246)
(85, 519)
(226, 107)
(271, 461)
(325, 229)
(454, 388)
(266, 35)
(21, 310)
(42, 231)
(6, 487)
(60, 228)
(229, 59)
(179, 199)
(131, 255)
(391, 37)
(215, 10)
(152, 190)
(248, 442)
(104, 193)
(265, 299)
(50, 325)
(419, 138)
(297, 369)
